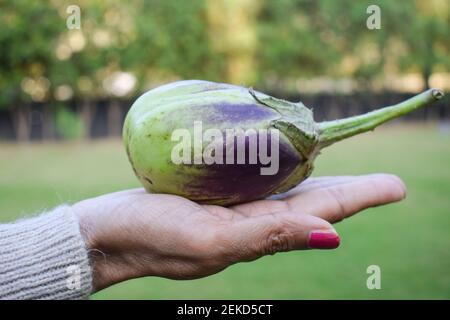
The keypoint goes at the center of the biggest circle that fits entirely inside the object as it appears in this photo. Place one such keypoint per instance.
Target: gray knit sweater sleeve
(44, 258)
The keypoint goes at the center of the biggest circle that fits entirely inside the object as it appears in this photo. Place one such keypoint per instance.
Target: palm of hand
(138, 234)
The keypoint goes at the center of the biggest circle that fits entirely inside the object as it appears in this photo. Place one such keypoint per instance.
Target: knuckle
(277, 240)
(339, 206)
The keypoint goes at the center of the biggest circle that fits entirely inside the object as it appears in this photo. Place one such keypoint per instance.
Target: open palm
(133, 233)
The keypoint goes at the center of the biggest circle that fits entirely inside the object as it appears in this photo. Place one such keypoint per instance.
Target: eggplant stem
(333, 131)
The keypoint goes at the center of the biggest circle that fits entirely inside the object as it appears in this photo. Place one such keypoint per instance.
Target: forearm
(44, 258)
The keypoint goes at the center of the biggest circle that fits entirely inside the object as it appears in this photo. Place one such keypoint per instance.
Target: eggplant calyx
(295, 122)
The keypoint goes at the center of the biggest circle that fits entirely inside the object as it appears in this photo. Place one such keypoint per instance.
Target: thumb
(278, 232)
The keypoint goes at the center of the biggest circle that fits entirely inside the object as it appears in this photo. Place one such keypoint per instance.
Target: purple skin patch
(241, 182)
(217, 114)
(228, 112)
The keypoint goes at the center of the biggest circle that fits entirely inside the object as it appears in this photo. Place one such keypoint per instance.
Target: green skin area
(156, 114)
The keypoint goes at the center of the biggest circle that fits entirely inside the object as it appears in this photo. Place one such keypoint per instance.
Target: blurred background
(64, 93)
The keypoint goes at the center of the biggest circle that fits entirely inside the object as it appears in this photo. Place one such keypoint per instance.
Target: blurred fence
(104, 118)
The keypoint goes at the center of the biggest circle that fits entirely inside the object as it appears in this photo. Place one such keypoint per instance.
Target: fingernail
(323, 239)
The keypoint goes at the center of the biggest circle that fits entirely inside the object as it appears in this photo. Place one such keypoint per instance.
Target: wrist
(86, 212)
(86, 224)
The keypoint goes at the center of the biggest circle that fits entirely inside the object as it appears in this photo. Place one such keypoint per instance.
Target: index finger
(340, 201)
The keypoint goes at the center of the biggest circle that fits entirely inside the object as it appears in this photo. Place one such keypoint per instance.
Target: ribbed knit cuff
(44, 258)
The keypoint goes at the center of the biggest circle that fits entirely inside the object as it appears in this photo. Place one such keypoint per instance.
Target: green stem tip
(332, 131)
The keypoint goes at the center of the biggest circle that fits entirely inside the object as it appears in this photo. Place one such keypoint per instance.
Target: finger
(315, 183)
(255, 237)
(341, 201)
(122, 193)
(272, 204)
(333, 198)
(322, 182)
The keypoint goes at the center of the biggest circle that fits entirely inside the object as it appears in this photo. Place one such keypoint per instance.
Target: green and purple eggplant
(155, 116)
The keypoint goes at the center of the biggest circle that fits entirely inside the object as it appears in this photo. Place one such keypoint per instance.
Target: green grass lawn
(410, 240)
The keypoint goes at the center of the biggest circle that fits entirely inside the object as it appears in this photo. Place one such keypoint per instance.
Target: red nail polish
(323, 239)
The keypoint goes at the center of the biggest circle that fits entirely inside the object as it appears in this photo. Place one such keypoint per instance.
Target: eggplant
(282, 136)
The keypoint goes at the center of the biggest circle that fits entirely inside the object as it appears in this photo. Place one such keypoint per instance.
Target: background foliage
(261, 43)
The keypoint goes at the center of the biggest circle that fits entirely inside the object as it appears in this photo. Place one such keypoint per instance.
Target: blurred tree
(302, 38)
(232, 33)
(28, 33)
(171, 42)
(365, 53)
(118, 43)
(294, 40)
(427, 39)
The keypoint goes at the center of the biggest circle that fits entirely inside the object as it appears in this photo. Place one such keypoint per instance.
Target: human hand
(133, 233)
